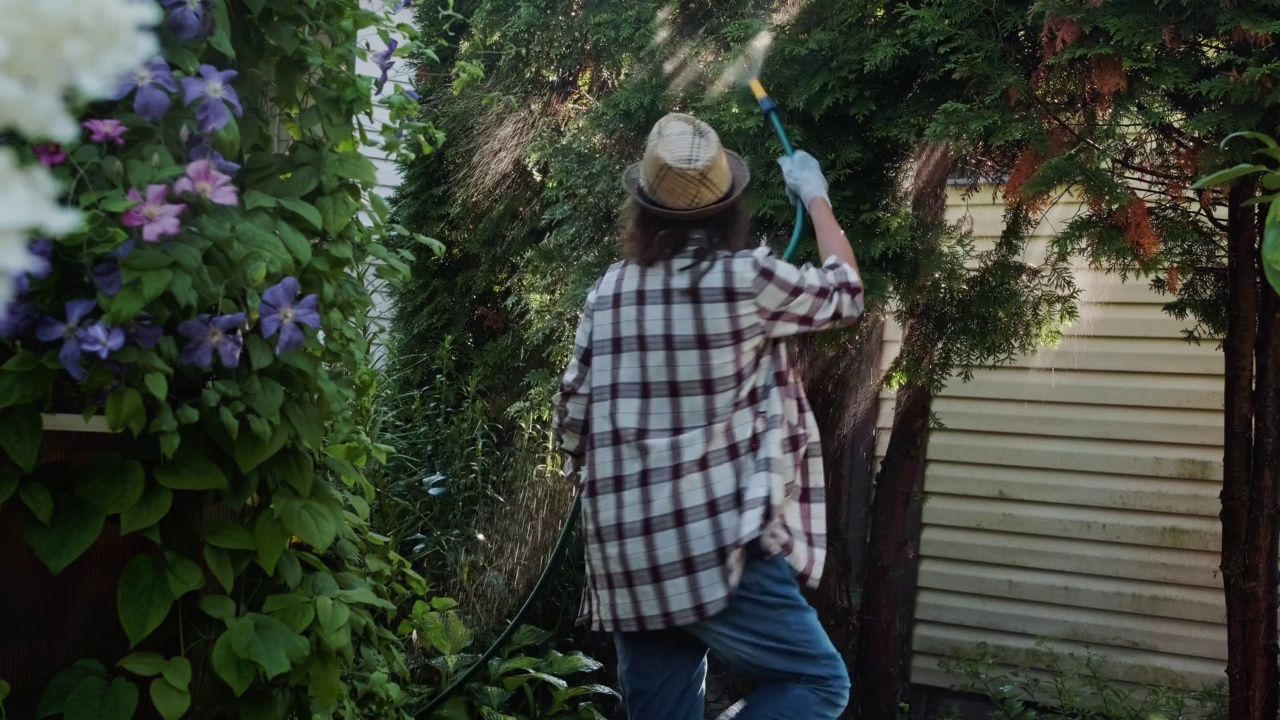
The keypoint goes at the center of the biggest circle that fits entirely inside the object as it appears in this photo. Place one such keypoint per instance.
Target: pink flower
(204, 180)
(49, 154)
(106, 130)
(157, 218)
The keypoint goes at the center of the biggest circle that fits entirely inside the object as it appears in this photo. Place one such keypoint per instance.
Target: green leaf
(1260, 137)
(230, 535)
(1224, 176)
(299, 245)
(8, 484)
(184, 575)
(233, 670)
(219, 607)
(560, 665)
(296, 469)
(20, 432)
(271, 537)
(306, 422)
(74, 528)
(290, 569)
(143, 597)
(296, 611)
(265, 396)
(337, 211)
(219, 562)
(177, 671)
(305, 210)
(1271, 251)
(149, 510)
(189, 470)
(146, 664)
(126, 305)
(112, 483)
(227, 139)
(145, 259)
(157, 384)
(260, 353)
(302, 180)
(37, 498)
(310, 519)
(17, 388)
(353, 166)
(251, 451)
(125, 410)
(326, 676)
(96, 699)
(268, 643)
(256, 199)
(171, 702)
(153, 284)
(54, 699)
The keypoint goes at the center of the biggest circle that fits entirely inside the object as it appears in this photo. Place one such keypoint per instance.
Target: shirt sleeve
(794, 300)
(569, 422)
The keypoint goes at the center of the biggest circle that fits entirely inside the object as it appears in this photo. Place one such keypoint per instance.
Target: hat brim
(738, 170)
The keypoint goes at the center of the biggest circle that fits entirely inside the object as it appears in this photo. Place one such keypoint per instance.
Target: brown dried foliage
(1173, 278)
(1107, 79)
(1135, 222)
(1058, 34)
(1172, 38)
(1026, 166)
(1246, 36)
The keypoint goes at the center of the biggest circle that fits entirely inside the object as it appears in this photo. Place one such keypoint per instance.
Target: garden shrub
(212, 306)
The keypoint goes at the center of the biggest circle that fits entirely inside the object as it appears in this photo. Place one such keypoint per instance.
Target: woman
(699, 459)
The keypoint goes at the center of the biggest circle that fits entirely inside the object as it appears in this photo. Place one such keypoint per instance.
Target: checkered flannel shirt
(690, 431)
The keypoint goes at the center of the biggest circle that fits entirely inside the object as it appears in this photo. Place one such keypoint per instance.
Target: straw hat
(686, 174)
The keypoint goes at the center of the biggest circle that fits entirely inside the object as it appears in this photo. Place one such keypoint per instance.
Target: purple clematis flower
(105, 130)
(49, 154)
(207, 334)
(189, 19)
(279, 312)
(157, 218)
(204, 180)
(150, 81)
(101, 339)
(107, 277)
(16, 319)
(413, 95)
(201, 148)
(70, 333)
(218, 100)
(143, 331)
(383, 59)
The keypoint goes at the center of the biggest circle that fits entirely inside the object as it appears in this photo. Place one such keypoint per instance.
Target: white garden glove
(804, 178)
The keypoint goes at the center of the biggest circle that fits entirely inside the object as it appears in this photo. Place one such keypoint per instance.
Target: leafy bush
(515, 684)
(1075, 687)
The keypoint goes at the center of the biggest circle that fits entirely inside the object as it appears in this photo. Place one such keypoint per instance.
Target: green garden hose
(770, 110)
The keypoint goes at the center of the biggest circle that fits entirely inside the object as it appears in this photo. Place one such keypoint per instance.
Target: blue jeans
(768, 634)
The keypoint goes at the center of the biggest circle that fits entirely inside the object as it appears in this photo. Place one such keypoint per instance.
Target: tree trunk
(1248, 667)
(844, 392)
(886, 597)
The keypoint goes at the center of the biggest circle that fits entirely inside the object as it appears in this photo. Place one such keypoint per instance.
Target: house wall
(388, 173)
(1073, 495)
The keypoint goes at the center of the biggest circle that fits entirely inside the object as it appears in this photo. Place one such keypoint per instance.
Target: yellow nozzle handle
(757, 89)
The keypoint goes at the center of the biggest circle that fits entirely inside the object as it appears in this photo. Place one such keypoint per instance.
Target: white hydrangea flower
(53, 50)
(28, 203)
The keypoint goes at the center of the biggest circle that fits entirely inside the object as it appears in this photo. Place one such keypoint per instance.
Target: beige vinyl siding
(1072, 496)
(388, 173)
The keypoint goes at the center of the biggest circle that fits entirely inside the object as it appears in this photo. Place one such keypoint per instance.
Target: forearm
(831, 238)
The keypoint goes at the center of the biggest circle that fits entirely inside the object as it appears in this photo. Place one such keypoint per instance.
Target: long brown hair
(648, 239)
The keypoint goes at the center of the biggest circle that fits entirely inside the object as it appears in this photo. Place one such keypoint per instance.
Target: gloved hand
(804, 178)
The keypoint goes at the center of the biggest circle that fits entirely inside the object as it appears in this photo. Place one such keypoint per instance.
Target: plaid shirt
(691, 432)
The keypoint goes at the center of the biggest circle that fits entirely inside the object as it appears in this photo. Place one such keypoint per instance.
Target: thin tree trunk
(844, 391)
(1246, 661)
(892, 550)
(1261, 574)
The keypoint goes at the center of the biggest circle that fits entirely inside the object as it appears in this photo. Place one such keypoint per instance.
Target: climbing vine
(212, 310)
